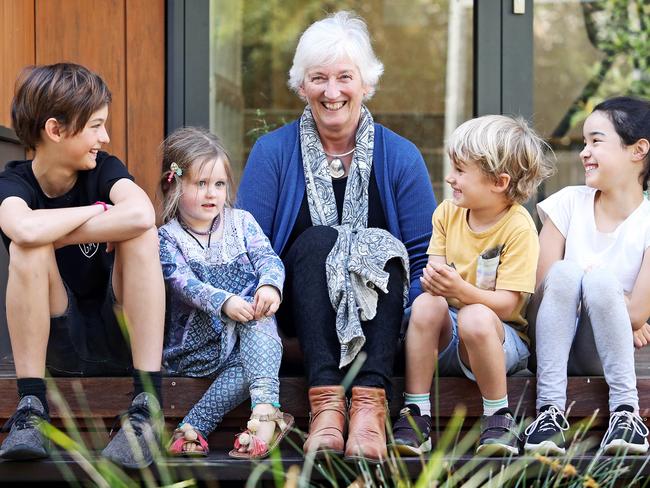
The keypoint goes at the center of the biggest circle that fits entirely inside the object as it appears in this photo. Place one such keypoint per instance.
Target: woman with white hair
(347, 205)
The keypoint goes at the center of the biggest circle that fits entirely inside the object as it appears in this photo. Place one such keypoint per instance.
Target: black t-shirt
(85, 268)
(376, 217)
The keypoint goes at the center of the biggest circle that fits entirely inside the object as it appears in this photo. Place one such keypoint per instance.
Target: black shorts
(86, 340)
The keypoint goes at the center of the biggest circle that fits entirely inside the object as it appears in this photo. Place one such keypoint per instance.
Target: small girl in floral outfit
(224, 283)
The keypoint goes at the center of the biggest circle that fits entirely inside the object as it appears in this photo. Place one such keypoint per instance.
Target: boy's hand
(426, 280)
(238, 309)
(267, 301)
(642, 336)
(442, 280)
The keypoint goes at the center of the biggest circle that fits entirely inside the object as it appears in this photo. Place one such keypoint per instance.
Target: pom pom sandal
(187, 442)
(257, 448)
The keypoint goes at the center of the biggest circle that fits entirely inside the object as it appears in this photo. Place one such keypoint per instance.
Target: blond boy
(480, 274)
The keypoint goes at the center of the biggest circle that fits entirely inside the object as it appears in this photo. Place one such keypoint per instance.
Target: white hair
(325, 42)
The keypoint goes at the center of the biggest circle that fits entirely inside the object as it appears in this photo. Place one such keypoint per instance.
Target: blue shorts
(450, 364)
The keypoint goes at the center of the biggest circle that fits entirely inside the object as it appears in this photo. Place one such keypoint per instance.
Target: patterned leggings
(252, 369)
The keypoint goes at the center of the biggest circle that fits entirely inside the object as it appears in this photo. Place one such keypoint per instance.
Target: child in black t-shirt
(82, 242)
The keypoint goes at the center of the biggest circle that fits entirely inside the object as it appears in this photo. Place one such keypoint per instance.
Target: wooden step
(94, 402)
(101, 399)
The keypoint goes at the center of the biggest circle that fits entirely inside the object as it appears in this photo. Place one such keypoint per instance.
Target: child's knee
(428, 314)
(266, 327)
(600, 287)
(141, 247)
(563, 274)
(28, 259)
(477, 324)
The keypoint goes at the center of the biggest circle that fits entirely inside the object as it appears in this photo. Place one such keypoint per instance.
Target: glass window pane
(585, 51)
(420, 93)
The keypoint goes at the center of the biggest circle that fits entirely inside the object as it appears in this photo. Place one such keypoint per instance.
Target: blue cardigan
(273, 186)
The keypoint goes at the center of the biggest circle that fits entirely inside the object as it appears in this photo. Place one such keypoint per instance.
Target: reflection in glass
(585, 51)
(425, 46)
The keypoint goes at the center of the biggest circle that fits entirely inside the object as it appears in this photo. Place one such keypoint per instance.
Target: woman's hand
(267, 301)
(642, 336)
(238, 309)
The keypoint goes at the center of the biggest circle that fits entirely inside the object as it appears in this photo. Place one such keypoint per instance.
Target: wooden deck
(94, 402)
(231, 472)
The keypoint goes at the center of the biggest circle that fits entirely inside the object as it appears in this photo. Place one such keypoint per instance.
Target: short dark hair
(631, 119)
(67, 92)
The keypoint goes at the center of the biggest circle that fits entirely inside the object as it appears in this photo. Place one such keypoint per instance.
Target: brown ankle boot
(327, 424)
(367, 437)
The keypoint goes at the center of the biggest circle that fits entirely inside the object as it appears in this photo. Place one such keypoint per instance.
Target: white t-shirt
(621, 252)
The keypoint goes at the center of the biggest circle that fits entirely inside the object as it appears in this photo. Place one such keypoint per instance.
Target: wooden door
(122, 40)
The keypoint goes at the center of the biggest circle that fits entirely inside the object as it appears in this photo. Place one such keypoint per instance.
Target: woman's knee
(314, 244)
(477, 324)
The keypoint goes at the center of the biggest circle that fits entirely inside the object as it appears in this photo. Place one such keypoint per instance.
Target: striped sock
(422, 400)
(490, 407)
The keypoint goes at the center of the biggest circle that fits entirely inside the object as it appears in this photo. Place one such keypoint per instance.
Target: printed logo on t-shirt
(89, 249)
(486, 268)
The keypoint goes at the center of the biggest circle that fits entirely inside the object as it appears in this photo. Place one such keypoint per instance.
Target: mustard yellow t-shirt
(504, 257)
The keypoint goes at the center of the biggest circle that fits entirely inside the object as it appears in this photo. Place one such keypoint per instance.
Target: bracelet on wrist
(103, 204)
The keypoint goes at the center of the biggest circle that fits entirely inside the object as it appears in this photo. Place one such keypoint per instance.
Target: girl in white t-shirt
(593, 279)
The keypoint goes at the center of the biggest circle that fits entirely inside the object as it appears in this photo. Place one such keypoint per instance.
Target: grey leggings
(251, 370)
(581, 326)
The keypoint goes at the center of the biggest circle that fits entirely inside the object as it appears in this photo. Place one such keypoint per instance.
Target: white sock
(422, 400)
(490, 407)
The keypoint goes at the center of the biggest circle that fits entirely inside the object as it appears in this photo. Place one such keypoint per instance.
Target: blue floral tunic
(199, 338)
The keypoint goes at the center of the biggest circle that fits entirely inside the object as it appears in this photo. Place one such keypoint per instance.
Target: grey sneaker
(25, 440)
(141, 429)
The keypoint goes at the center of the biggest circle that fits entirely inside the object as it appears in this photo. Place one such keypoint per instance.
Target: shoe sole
(119, 463)
(619, 446)
(23, 453)
(323, 454)
(144, 464)
(496, 450)
(362, 459)
(545, 448)
(406, 450)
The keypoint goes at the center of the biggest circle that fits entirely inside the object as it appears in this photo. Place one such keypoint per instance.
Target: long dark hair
(631, 119)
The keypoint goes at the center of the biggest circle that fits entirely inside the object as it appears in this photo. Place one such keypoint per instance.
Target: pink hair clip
(174, 169)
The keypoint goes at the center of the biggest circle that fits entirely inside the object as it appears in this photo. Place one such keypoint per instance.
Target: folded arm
(131, 214)
(32, 228)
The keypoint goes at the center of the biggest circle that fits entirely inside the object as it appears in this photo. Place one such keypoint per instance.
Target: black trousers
(306, 312)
